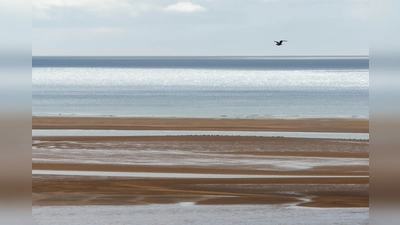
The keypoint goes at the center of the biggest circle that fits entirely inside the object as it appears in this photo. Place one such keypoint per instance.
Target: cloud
(49, 4)
(42, 8)
(184, 7)
(359, 9)
(108, 30)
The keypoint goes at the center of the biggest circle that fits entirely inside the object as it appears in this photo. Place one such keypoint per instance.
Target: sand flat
(202, 154)
(341, 192)
(230, 155)
(345, 125)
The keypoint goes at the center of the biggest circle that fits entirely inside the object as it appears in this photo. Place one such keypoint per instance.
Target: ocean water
(234, 87)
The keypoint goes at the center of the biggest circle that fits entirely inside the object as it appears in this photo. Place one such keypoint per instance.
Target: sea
(203, 87)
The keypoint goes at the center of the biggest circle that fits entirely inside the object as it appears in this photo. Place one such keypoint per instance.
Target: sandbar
(344, 125)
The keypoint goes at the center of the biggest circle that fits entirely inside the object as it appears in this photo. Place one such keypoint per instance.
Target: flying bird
(279, 43)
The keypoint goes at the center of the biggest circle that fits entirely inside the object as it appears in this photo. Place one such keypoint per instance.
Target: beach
(308, 172)
(200, 140)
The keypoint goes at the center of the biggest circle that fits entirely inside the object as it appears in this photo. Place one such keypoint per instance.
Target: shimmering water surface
(201, 86)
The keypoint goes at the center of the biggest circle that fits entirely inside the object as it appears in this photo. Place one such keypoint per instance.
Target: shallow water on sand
(70, 132)
(188, 213)
(172, 175)
(197, 154)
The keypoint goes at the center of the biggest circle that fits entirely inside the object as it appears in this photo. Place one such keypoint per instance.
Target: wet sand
(344, 125)
(312, 192)
(54, 190)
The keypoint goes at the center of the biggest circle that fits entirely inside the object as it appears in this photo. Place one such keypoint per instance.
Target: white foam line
(173, 175)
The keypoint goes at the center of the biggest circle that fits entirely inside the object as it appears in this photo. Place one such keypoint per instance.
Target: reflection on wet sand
(201, 171)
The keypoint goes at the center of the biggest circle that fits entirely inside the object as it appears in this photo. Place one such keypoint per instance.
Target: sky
(199, 27)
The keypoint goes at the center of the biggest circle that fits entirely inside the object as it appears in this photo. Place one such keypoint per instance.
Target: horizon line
(200, 55)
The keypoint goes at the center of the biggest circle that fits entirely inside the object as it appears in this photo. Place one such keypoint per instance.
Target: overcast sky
(199, 27)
